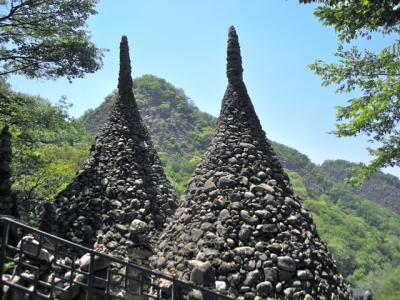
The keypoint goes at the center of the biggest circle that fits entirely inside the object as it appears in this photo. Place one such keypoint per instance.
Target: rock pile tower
(7, 202)
(240, 228)
(121, 196)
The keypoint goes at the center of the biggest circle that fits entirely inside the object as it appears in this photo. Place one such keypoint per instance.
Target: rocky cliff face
(240, 228)
(381, 188)
(121, 196)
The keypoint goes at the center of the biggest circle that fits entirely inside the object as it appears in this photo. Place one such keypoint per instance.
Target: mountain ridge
(194, 131)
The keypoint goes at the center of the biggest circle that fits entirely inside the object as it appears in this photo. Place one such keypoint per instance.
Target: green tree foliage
(179, 170)
(365, 249)
(358, 17)
(374, 76)
(48, 148)
(384, 283)
(47, 38)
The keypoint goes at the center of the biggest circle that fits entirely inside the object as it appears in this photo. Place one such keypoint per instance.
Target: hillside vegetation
(361, 230)
(175, 124)
(48, 148)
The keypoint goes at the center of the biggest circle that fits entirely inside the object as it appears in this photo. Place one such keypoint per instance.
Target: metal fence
(43, 266)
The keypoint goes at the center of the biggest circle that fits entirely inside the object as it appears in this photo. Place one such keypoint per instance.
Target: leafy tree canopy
(48, 147)
(358, 17)
(47, 38)
(374, 76)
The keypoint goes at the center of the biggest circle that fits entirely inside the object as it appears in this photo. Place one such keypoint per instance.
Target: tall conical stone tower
(240, 228)
(7, 202)
(121, 196)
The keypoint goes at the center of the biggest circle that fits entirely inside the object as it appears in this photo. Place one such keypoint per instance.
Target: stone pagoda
(121, 197)
(8, 204)
(240, 228)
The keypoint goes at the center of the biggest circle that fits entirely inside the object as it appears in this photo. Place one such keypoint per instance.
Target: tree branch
(16, 70)
(13, 10)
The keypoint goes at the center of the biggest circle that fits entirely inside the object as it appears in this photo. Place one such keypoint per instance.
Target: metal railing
(47, 267)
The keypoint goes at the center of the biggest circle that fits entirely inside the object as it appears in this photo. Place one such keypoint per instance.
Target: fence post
(4, 237)
(90, 277)
(173, 291)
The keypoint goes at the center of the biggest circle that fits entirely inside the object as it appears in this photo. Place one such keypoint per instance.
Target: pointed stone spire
(234, 70)
(125, 77)
(121, 196)
(7, 202)
(240, 228)
(125, 103)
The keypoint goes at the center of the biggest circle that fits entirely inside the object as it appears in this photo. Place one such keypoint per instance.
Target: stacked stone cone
(239, 227)
(121, 196)
(7, 203)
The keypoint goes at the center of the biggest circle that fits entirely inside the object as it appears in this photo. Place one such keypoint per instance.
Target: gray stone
(268, 228)
(263, 214)
(244, 251)
(161, 262)
(138, 227)
(246, 217)
(245, 233)
(122, 227)
(248, 195)
(99, 262)
(262, 187)
(275, 247)
(251, 278)
(247, 145)
(30, 246)
(224, 214)
(292, 220)
(220, 286)
(202, 273)
(112, 245)
(206, 226)
(285, 275)
(260, 246)
(271, 275)
(219, 202)
(286, 263)
(288, 292)
(209, 185)
(264, 289)
(196, 234)
(236, 205)
(226, 267)
(304, 275)
(226, 182)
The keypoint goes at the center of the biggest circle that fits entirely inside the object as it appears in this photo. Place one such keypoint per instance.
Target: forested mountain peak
(170, 116)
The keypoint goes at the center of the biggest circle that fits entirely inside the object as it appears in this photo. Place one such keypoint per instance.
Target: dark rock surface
(240, 215)
(7, 201)
(121, 197)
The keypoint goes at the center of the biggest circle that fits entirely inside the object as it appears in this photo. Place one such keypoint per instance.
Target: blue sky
(185, 43)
